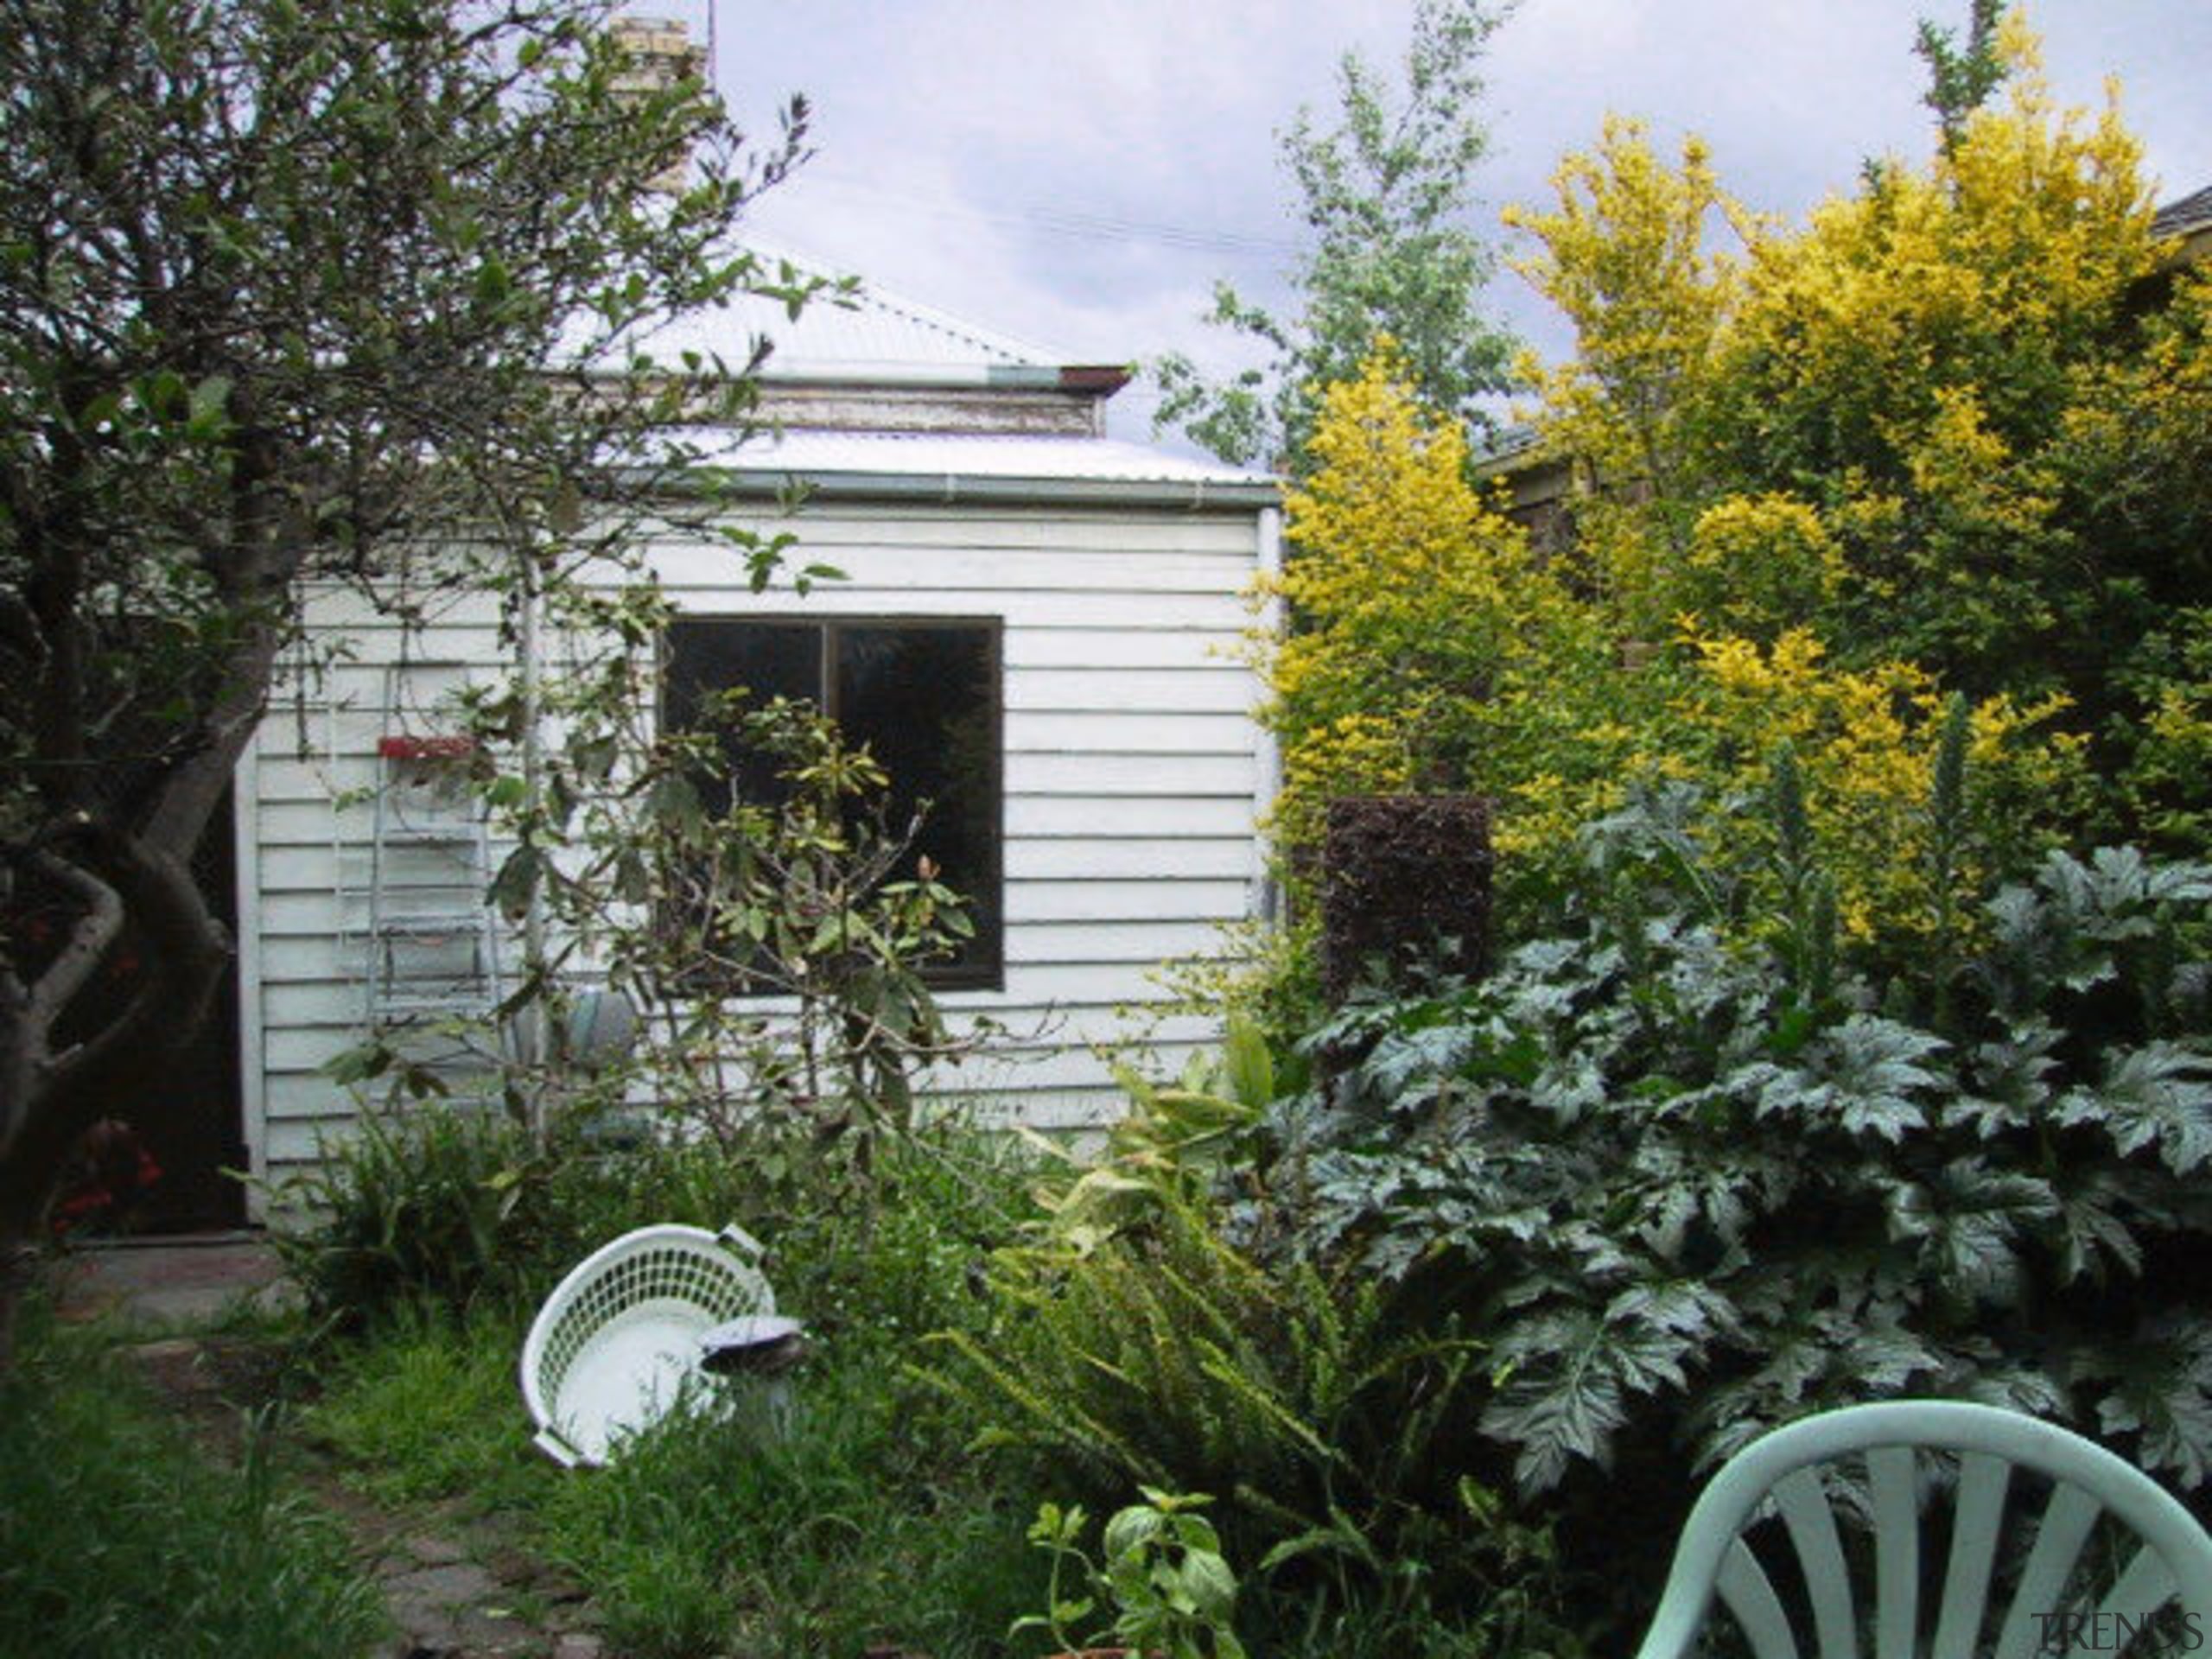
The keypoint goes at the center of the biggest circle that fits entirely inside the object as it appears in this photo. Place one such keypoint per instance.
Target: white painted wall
(1132, 768)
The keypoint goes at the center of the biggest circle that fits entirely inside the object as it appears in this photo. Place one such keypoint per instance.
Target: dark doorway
(157, 1160)
(192, 1125)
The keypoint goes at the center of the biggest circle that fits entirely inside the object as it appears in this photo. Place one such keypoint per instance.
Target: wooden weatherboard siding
(1132, 768)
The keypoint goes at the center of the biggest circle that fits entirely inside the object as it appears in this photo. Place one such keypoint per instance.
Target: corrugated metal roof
(2191, 212)
(877, 335)
(966, 455)
(965, 466)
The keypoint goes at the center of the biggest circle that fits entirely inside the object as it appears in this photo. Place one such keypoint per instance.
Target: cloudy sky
(1078, 173)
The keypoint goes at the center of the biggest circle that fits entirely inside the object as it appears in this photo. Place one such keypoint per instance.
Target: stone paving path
(163, 1283)
(455, 1585)
(453, 1592)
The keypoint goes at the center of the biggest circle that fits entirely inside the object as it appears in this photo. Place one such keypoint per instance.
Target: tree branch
(59, 1097)
(97, 928)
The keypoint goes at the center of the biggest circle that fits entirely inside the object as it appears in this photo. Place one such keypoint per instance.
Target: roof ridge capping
(992, 350)
(875, 336)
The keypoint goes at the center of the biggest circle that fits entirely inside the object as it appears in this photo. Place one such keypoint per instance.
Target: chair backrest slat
(1804, 1498)
(1749, 1594)
(1891, 1476)
(1975, 1521)
(1776, 1486)
(2059, 1537)
(2146, 1585)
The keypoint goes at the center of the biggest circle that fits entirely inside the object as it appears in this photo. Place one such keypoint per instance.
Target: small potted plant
(1162, 1583)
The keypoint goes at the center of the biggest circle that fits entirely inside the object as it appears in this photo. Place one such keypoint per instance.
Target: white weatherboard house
(1068, 604)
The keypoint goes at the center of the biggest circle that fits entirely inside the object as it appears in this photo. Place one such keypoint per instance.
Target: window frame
(987, 974)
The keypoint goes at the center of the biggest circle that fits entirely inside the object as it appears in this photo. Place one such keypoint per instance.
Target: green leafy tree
(1961, 78)
(289, 295)
(1384, 192)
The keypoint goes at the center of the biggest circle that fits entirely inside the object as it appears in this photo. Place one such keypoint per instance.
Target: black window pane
(925, 701)
(768, 659)
(922, 695)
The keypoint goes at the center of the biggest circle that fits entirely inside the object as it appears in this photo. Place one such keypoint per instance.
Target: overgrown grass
(430, 1409)
(118, 1537)
(862, 1521)
(859, 1520)
(864, 1517)
(841, 1526)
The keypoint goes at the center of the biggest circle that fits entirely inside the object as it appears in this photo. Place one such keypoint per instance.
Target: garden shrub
(1684, 1177)
(1957, 419)
(1948, 436)
(1405, 879)
(1138, 1340)
(451, 1208)
(1432, 652)
(745, 874)
(435, 1205)
(1870, 744)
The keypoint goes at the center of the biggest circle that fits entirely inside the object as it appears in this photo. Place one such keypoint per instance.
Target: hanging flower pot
(433, 768)
(416, 746)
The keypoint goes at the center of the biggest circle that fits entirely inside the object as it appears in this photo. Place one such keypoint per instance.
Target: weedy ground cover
(120, 1535)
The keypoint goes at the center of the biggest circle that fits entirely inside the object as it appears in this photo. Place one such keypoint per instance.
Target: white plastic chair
(619, 1341)
(1780, 1475)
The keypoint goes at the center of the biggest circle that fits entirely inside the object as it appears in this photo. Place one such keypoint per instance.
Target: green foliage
(1173, 1143)
(2167, 784)
(452, 1210)
(853, 1524)
(117, 1536)
(1961, 78)
(1168, 1355)
(427, 1410)
(862, 1522)
(1134, 1343)
(1683, 1188)
(741, 882)
(1385, 194)
(298, 297)
(796, 898)
(435, 1205)
(1439, 653)
(1161, 1582)
(1955, 421)
(1433, 650)
(1140, 1338)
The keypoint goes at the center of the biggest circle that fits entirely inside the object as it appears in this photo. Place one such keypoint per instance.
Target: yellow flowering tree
(1432, 651)
(1868, 743)
(1423, 629)
(1931, 470)
(1961, 419)
(1625, 255)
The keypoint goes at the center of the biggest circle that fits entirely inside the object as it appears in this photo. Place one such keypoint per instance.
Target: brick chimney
(660, 55)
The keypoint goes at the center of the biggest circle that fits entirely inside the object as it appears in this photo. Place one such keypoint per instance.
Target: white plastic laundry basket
(618, 1341)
